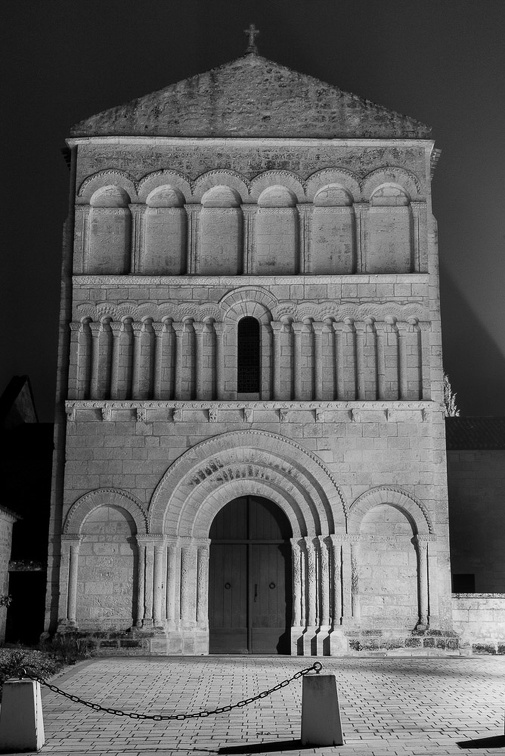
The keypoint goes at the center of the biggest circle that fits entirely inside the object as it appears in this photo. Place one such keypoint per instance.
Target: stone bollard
(21, 723)
(320, 712)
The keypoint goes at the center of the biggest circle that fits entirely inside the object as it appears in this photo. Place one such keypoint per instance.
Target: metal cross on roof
(252, 32)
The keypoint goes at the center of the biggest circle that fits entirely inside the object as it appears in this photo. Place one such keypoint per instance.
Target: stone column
(95, 329)
(416, 208)
(361, 210)
(141, 580)
(73, 370)
(324, 618)
(73, 543)
(137, 237)
(422, 571)
(425, 358)
(137, 347)
(297, 582)
(188, 583)
(311, 589)
(381, 331)
(159, 582)
(304, 221)
(219, 359)
(158, 360)
(115, 328)
(297, 362)
(402, 360)
(433, 582)
(81, 236)
(249, 213)
(184, 360)
(173, 573)
(202, 582)
(366, 360)
(346, 360)
(198, 329)
(317, 327)
(164, 359)
(276, 330)
(336, 582)
(355, 598)
(193, 212)
(267, 362)
(149, 584)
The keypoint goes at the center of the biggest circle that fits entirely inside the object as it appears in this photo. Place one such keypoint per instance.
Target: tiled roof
(475, 433)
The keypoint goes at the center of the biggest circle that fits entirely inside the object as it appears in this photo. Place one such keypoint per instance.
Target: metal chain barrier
(316, 667)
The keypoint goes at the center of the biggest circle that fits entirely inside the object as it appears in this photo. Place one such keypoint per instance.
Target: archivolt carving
(400, 176)
(104, 178)
(104, 497)
(159, 178)
(396, 497)
(284, 178)
(216, 177)
(326, 176)
(192, 490)
(247, 294)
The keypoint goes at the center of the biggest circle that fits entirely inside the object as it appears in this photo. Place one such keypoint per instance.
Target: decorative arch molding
(412, 507)
(347, 179)
(392, 174)
(248, 300)
(107, 178)
(228, 178)
(104, 497)
(185, 500)
(283, 178)
(338, 312)
(152, 181)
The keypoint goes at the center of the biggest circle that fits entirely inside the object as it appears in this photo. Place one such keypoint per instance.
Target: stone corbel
(141, 414)
(106, 412)
(283, 415)
(247, 415)
(212, 415)
(70, 412)
(177, 415)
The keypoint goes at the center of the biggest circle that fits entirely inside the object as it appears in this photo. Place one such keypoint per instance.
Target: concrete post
(321, 724)
(21, 722)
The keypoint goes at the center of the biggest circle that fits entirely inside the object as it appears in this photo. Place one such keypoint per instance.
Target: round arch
(104, 497)
(248, 300)
(246, 462)
(413, 509)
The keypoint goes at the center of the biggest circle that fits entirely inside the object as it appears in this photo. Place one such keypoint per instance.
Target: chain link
(316, 667)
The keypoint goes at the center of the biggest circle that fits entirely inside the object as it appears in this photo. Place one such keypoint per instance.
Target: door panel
(250, 579)
(228, 598)
(268, 598)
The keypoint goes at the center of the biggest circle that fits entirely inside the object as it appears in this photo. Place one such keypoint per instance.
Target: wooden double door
(250, 596)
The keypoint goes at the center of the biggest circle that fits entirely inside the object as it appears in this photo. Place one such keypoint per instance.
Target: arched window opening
(248, 357)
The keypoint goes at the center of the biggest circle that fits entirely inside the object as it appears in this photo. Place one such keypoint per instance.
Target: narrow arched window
(248, 356)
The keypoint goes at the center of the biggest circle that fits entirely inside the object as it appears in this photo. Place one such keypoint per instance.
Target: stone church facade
(250, 446)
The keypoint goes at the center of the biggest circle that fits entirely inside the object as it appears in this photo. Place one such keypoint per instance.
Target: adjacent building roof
(252, 97)
(475, 433)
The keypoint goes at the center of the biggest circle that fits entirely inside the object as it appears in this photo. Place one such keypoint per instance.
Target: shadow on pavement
(497, 741)
(278, 745)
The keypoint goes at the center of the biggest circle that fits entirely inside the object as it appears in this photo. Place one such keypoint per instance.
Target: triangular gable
(252, 97)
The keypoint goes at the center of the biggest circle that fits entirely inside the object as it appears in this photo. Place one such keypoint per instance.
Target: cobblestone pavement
(408, 706)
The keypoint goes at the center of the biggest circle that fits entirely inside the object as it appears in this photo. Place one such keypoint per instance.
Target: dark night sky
(440, 61)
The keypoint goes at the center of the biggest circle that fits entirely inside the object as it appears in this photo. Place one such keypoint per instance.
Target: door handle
(255, 591)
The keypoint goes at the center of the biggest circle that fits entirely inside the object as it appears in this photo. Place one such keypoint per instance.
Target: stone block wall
(479, 619)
